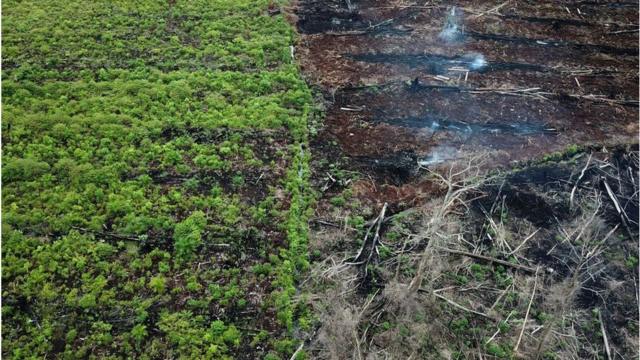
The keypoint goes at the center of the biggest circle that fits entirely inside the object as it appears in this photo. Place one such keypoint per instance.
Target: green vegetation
(567, 153)
(187, 235)
(153, 153)
(631, 262)
(501, 352)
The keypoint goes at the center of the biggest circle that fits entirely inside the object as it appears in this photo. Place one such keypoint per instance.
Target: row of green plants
(220, 35)
(101, 155)
(155, 180)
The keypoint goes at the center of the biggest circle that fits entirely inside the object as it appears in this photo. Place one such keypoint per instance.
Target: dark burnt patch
(319, 19)
(540, 210)
(557, 268)
(585, 48)
(555, 22)
(526, 203)
(544, 175)
(433, 124)
(396, 168)
(440, 64)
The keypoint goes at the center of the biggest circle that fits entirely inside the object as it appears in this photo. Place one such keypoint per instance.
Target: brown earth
(519, 82)
(551, 74)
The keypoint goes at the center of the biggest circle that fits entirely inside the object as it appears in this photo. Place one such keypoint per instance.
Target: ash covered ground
(478, 170)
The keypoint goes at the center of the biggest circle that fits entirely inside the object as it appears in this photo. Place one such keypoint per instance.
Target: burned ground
(478, 180)
(534, 263)
(525, 79)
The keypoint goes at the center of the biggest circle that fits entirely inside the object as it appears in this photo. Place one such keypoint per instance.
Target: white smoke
(453, 31)
(438, 155)
(477, 62)
(453, 28)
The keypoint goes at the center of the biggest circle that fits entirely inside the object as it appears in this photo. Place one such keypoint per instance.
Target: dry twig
(604, 335)
(526, 316)
(573, 191)
(490, 259)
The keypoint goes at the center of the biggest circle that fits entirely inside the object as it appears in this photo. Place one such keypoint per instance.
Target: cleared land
(525, 80)
(479, 180)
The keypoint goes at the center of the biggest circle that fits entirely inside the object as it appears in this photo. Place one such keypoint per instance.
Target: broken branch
(604, 335)
(490, 259)
(526, 316)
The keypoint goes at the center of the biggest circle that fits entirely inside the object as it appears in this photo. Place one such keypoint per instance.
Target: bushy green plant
(139, 332)
(23, 169)
(187, 235)
(497, 350)
(158, 284)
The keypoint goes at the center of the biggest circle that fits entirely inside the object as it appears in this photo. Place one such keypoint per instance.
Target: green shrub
(338, 201)
(87, 301)
(232, 336)
(23, 169)
(158, 284)
(460, 326)
(479, 272)
(497, 351)
(139, 333)
(187, 235)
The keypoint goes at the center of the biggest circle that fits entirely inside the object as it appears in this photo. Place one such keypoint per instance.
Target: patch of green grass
(631, 262)
(460, 326)
(499, 351)
(478, 271)
(338, 201)
(568, 152)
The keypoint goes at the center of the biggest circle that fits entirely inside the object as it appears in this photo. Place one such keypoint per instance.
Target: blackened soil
(528, 80)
